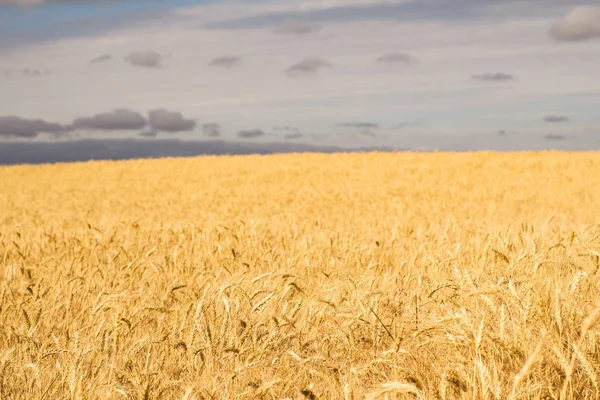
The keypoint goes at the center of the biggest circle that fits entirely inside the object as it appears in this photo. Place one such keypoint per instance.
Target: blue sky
(49, 15)
(417, 73)
(63, 19)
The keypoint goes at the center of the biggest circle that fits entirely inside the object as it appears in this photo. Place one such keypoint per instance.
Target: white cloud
(582, 23)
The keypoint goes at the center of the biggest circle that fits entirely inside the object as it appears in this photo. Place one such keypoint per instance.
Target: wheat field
(306, 276)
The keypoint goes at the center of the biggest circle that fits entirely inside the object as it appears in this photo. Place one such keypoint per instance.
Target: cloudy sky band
(416, 69)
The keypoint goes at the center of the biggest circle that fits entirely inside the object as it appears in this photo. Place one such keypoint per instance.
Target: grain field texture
(306, 276)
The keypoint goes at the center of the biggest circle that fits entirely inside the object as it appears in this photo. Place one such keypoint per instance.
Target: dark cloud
(226, 62)
(403, 125)
(293, 136)
(556, 118)
(34, 72)
(493, 77)
(104, 58)
(553, 136)
(251, 134)
(211, 130)
(34, 152)
(501, 132)
(360, 125)
(16, 127)
(397, 58)
(170, 121)
(116, 120)
(308, 66)
(363, 128)
(297, 28)
(148, 58)
(582, 23)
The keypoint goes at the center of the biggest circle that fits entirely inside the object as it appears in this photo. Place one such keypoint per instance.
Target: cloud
(250, 134)
(34, 72)
(556, 118)
(350, 91)
(397, 58)
(119, 119)
(285, 128)
(582, 23)
(296, 28)
(554, 136)
(148, 58)
(323, 11)
(104, 58)
(116, 120)
(211, 130)
(148, 134)
(293, 136)
(169, 121)
(360, 125)
(403, 125)
(363, 128)
(308, 66)
(34, 152)
(16, 127)
(226, 62)
(501, 132)
(493, 77)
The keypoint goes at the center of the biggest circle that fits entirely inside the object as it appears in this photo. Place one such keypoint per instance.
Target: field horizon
(401, 275)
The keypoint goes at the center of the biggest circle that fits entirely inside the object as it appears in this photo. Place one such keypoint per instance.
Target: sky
(295, 75)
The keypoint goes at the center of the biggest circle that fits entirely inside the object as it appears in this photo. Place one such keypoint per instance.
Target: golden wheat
(382, 276)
